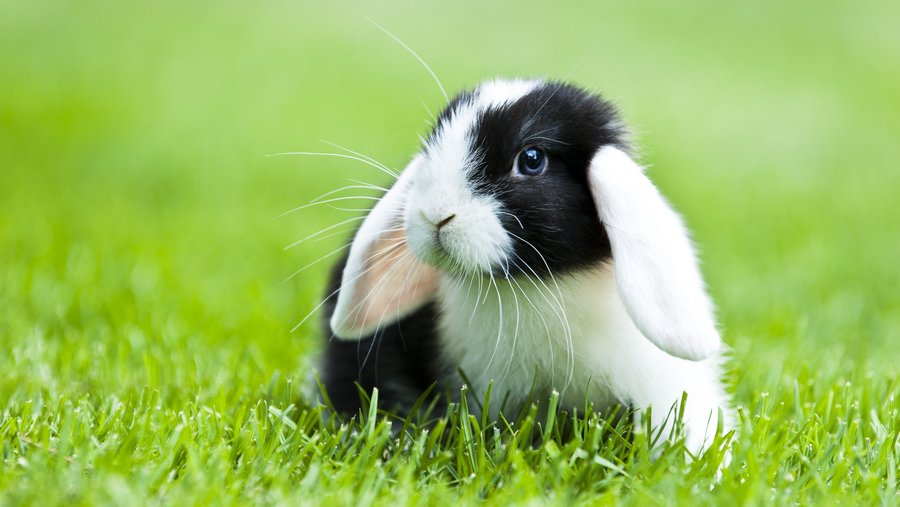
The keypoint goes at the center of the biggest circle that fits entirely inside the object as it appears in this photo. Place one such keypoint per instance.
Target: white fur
(608, 360)
(497, 92)
(619, 333)
(656, 270)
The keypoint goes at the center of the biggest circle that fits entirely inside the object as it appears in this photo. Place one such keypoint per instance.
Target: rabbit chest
(527, 336)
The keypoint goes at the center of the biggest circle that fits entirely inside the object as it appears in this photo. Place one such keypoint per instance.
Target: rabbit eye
(531, 161)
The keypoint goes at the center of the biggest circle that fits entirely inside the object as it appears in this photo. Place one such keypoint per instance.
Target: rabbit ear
(382, 280)
(655, 267)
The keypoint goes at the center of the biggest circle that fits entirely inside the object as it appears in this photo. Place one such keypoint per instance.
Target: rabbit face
(501, 187)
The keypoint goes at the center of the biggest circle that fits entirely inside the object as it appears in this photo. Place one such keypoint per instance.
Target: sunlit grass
(146, 297)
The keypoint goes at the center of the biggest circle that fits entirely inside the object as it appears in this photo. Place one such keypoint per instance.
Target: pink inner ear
(394, 284)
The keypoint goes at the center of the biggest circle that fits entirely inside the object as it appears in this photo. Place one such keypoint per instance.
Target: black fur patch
(555, 225)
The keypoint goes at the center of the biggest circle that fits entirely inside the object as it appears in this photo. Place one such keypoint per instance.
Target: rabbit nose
(446, 220)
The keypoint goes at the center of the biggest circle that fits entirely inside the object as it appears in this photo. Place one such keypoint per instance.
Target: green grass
(144, 313)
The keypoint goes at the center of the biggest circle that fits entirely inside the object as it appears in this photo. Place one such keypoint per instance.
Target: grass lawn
(146, 298)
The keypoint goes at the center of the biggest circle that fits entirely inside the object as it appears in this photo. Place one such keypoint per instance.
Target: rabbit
(525, 249)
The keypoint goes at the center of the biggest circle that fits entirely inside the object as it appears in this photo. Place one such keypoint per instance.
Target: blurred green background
(140, 243)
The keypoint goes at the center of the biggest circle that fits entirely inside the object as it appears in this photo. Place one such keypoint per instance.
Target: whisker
(499, 329)
(333, 293)
(368, 185)
(416, 55)
(313, 263)
(512, 352)
(558, 86)
(515, 217)
(406, 287)
(322, 231)
(548, 129)
(564, 319)
(336, 155)
(358, 154)
(346, 187)
(427, 110)
(531, 120)
(378, 328)
(477, 296)
(335, 199)
(392, 246)
(467, 282)
(350, 210)
(548, 139)
(540, 315)
(392, 253)
(342, 232)
(326, 298)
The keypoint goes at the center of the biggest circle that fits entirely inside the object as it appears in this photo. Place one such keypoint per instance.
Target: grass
(144, 312)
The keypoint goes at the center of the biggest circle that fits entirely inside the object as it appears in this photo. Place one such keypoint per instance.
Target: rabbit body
(524, 248)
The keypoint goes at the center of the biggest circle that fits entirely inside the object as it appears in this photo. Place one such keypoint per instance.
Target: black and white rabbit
(524, 247)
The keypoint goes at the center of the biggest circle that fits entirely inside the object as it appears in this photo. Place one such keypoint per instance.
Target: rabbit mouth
(463, 269)
(452, 256)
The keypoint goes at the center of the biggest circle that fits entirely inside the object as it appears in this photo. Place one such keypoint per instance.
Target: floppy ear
(382, 280)
(655, 267)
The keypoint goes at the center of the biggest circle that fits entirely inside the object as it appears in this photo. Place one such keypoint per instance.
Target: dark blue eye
(532, 161)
